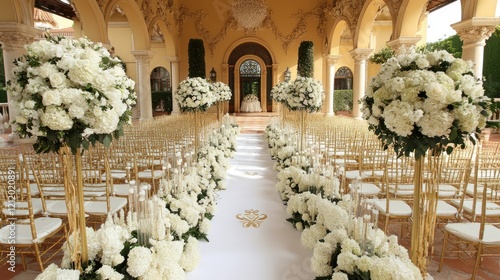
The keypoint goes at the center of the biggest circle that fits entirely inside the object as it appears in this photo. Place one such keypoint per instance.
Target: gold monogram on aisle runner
(251, 218)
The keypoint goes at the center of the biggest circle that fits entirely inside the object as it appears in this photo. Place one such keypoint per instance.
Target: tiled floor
(453, 268)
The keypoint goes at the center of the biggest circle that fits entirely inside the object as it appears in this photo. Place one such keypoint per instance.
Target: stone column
(143, 83)
(275, 105)
(174, 70)
(359, 80)
(402, 42)
(13, 37)
(474, 33)
(225, 79)
(330, 62)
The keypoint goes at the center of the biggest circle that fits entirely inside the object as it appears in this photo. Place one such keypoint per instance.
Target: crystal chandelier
(249, 13)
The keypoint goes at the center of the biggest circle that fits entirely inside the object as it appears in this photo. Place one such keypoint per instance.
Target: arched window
(250, 68)
(343, 78)
(160, 79)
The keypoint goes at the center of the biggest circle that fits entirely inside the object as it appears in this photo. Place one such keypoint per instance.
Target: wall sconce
(213, 75)
(288, 75)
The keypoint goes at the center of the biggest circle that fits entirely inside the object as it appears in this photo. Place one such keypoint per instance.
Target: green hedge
(196, 58)
(3, 96)
(342, 100)
(305, 64)
(158, 96)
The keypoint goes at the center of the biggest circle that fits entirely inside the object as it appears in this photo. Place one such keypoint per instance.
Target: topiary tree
(196, 59)
(305, 65)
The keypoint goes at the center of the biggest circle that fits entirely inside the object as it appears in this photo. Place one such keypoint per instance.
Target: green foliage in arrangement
(342, 100)
(305, 65)
(196, 59)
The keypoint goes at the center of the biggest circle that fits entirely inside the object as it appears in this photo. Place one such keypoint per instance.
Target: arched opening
(161, 90)
(343, 78)
(250, 78)
(250, 68)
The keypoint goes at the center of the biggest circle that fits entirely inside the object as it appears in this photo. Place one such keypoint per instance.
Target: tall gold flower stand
(424, 210)
(73, 185)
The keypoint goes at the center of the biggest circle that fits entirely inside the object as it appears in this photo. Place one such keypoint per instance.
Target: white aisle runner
(258, 244)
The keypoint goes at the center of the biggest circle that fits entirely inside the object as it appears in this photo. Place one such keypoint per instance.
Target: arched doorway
(343, 78)
(250, 68)
(161, 90)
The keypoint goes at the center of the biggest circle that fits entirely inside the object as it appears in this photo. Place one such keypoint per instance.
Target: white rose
(57, 80)
(51, 97)
(30, 104)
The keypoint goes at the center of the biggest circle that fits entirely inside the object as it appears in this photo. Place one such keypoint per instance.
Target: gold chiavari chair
(477, 239)
(25, 232)
(485, 176)
(393, 208)
(372, 163)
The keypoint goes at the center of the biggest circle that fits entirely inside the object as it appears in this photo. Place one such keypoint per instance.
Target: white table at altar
(250, 106)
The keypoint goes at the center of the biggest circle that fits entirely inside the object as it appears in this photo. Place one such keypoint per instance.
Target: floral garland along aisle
(344, 246)
(183, 210)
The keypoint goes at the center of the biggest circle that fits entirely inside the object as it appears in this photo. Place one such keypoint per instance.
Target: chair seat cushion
(99, 207)
(402, 190)
(147, 174)
(121, 189)
(368, 189)
(470, 232)
(397, 208)
(21, 208)
(43, 227)
(444, 209)
(492, 209)
(446, 191)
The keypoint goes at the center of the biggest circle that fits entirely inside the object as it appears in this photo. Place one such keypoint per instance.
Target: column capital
(331, 59)
(360, 54)
(14, 35)
(475, 29)
(143, 56)
(403, 42)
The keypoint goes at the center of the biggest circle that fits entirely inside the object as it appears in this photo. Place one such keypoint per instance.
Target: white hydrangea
(139, 259)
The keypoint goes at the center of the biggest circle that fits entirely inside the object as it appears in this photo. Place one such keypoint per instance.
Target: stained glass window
(250, 68)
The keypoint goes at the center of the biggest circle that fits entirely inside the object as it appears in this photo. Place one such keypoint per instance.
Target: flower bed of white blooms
(222, 91)
(325, 223)
(419, 100)
(70, 92)
(113, 249)
(305, 94)
(195, 94)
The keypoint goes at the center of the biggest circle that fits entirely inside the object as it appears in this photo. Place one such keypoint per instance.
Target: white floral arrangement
(425, 100)
(280, 92)
(195, 94)
(222, 91)
(115, 254)
(70, 92)
(305, 94)
(251, 98)
(328, 229)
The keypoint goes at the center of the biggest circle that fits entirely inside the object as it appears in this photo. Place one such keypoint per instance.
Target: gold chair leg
(38, 258)
(478, 260)
(442, 251)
